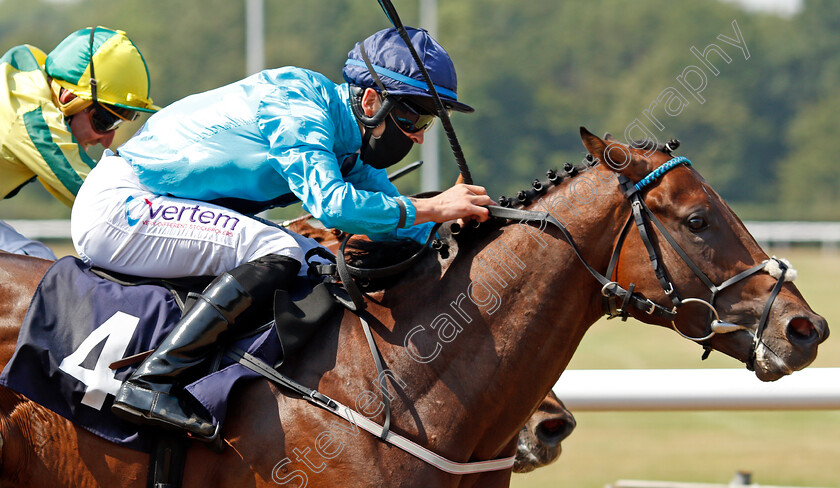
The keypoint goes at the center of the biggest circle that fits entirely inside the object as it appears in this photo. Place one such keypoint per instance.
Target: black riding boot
(147, 396)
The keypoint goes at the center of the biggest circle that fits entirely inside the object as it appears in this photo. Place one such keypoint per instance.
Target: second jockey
(53, 106)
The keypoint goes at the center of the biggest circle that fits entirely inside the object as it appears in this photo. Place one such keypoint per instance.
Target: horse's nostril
(553, 431)
(802, 330)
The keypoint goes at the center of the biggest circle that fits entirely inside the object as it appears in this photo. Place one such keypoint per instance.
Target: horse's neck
(19, 276)
(500, 325)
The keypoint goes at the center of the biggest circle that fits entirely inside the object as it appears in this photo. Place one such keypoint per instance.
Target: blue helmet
(391, 59)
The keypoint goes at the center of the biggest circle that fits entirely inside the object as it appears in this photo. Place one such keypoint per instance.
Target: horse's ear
(619, 156)
(594, 144)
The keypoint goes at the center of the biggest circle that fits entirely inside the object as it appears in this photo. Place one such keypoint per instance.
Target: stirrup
(214, 441)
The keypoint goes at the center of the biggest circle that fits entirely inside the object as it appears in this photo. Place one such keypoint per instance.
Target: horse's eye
(697, 223)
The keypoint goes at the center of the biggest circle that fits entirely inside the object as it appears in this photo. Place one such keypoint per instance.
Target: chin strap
(356, 93)
(93, 82)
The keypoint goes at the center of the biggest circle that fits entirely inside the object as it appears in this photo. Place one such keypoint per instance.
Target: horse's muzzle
(797, 349)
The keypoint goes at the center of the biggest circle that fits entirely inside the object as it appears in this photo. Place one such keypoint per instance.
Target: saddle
(295, 319)
(295, 323)
(85, 332)
(83, 335)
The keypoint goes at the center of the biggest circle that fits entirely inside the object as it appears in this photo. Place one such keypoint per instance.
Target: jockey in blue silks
(176, 198)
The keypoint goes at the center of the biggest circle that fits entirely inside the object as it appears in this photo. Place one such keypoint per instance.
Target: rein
(642, 215)
(357, 305)
(617, 299)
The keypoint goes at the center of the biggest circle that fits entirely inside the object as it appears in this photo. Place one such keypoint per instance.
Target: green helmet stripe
(121, 70)
(68, 63)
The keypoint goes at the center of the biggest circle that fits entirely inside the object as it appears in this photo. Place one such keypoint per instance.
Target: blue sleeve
(298, 124)
(419, 233)
(367, 177)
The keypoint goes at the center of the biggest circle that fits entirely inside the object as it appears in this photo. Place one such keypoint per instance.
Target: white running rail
(697, 389)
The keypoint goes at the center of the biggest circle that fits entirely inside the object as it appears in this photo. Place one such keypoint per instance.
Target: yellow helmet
(100, 65)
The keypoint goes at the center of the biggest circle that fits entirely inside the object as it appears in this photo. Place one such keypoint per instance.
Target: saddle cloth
(79, 323)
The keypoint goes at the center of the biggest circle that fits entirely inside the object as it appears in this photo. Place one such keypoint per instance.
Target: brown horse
(538, 443)
(472, 342)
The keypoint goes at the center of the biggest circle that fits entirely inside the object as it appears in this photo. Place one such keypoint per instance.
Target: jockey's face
(82, 129)
(371, 103)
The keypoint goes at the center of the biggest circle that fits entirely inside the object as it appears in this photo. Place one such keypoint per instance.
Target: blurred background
(535, 71)
(761, 130)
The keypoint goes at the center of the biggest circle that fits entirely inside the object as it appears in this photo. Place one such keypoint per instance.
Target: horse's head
(727, 294)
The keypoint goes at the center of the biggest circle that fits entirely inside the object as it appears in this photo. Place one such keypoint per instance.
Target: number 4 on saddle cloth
(79, 323)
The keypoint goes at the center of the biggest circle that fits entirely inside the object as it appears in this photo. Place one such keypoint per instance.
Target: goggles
(105, 118)
(411, 120)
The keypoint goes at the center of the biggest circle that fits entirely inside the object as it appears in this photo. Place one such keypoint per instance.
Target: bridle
(642, 216)
(618, 300)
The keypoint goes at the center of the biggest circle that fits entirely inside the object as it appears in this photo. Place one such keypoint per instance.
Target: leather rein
(642, 216)
(617, 301)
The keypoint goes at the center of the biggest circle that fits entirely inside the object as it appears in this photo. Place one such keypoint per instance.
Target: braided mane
(648, 144)
(368, 254)
(553, 178)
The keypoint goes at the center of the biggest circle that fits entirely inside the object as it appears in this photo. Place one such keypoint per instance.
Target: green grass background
(793, 448)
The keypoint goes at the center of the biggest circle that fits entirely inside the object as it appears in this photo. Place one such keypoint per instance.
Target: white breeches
(119, 225)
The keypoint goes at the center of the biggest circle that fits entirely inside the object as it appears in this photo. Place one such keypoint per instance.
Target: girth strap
(257, 365)
(166, 461)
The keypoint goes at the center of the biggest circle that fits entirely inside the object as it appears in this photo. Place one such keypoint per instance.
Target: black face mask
(389, 149)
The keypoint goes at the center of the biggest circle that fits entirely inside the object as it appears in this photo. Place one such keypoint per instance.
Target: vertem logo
(179, 213)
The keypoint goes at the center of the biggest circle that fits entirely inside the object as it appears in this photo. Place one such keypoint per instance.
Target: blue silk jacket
(278, 136)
